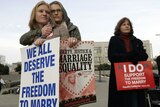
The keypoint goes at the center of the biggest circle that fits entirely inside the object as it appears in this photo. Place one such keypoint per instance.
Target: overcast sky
(96, 20)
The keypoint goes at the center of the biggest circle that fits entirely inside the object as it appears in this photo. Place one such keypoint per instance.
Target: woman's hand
(46, 30)
(72, 41)
(39, 41)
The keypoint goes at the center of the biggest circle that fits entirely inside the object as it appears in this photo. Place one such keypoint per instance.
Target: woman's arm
(115, 52)
(29, 37)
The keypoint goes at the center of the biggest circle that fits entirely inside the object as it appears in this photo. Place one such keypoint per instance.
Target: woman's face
(56, 12)
(125, 27)
(42, 15)
(72, 79)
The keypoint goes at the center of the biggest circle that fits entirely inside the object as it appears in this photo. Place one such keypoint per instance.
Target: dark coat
(0, 86)
(118, 53)
(158, 64)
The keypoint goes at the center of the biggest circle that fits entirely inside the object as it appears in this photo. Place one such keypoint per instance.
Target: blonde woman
(39, 24)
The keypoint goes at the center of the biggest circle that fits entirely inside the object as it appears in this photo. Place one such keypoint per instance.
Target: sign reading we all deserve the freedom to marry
(40, 75)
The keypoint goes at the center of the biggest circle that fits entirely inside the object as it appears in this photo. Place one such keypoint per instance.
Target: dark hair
(65, 16)
(117, 28)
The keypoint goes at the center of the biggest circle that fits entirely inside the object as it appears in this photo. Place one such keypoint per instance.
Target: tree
(4, 69)
(1, 69)
(104, 66)
(18, 68)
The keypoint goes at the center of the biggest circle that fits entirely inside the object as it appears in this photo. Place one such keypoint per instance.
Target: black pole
(100, 76)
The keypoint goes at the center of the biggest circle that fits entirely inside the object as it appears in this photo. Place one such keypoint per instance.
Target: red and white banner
(77, 78)
(130, 77)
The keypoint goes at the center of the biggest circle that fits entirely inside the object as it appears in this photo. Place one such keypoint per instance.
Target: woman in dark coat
(124, 47)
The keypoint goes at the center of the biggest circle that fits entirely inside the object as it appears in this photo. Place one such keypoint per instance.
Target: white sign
(40, 75)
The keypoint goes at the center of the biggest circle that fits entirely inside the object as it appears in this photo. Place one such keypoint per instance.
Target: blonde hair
(33, 23)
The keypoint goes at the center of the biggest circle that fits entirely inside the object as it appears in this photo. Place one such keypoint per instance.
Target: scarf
(126, 39)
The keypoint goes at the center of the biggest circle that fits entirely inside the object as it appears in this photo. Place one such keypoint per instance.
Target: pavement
(101, 93)
(11, 100)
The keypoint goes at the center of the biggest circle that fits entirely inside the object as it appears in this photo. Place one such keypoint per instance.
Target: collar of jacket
(132, 37)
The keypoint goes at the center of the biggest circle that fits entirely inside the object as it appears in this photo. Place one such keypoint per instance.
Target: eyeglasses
(58, 11)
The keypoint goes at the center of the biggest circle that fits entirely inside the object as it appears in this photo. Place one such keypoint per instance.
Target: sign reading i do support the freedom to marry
(130, 76)
(40, 75)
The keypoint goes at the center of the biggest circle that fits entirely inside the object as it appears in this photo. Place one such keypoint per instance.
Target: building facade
(148, 47)
(101, 52)
(2, 59)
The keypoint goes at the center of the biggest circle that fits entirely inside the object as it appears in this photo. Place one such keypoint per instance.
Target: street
(11, 100)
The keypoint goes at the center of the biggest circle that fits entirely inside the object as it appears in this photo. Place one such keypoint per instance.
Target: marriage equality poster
(40, 75)
(77, 78)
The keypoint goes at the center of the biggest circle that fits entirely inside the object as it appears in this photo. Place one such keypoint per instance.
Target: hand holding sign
(132, 56)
